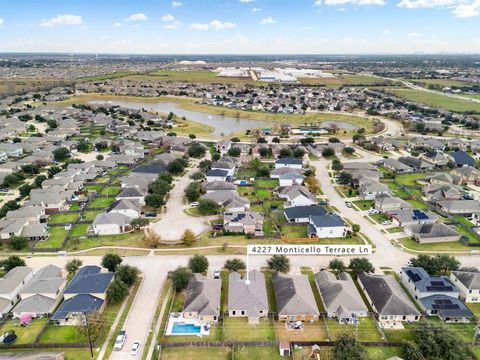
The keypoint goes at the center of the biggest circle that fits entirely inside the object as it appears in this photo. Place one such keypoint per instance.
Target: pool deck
(177, 318)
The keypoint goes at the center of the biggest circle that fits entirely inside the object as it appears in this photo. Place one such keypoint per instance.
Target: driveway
(175, 221)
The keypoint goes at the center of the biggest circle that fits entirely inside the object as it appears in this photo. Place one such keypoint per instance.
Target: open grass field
(134, 239)
(199, 76)
(439, 82)
(257, 353)
(62, 334)
(435, 100)
(346, 80)
(18, 85)
(239, 329)
(196, 353)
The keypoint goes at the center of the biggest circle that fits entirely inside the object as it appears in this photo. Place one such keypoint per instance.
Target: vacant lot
(345, 80)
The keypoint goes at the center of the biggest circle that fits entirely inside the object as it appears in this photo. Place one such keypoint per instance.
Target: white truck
(120, 340)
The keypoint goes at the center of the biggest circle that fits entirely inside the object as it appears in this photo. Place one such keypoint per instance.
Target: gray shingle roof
(250, 298)
(297, 212)
(203, 296)
(294, 295)
(471, 279)
(327, 220)
(35, 304)
(89, 280)
(14, 278)
(77, 304)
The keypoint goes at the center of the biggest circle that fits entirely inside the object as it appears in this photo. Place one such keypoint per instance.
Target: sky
(240, 26)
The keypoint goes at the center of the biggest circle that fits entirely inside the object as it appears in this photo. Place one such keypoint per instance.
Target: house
(391, 203)
(302, 214)
(294, 298)
(86, 293)
(223, 146)
(226, 164)
(288, 162)
(217, 175)
(467, 175)
(436, 295)
(327, 226)
(41, 294)
(460, 207)
(53, 199)
(435, 158)
(439, 192)
(218, 185)
(247, 222)
(340, 297)
(11, 150)
(408, 217)
(371, 189)
(388, 299)
(111, 224)
(276, 173)
(296, 196)
(10, 286)
(416, 164)
(228, 199)
(202, 301)
(290, 179)
(248, 298)
(432, 233)
(468, 282)
(133, 194)
(126, 207)
(396, 166)
(461, 158)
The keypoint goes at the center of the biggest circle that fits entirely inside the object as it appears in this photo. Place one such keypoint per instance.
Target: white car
(120, 340)
(135, 348)
(216, 274)
(194, 204)
(386, 222)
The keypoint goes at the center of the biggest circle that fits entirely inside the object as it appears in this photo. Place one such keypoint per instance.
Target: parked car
(348, 204)
(194, 204)
(151, 214)
(373, 211)
(120, 340)
(386, 222)
(3, 190)
(135, 348)
(217, 226)
(216, 274)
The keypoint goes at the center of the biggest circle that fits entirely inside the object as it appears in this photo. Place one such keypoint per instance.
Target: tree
(307, 140)
(53, 170)
(18, 242)
(99, 157)
(176, 167)
(328, 152)
(167, 177)
(333, 140)
(348, 348)
(111, 261)
(348, 150)
(72, 266)
(139, 223)
(11, 262)
(411, 351)
(61, 154)
(285, 153)
(152, 240)
(24, 190)
(204, 165)
(192, 136)
(159, 187)
(337, 165)
(38, 180)
(128, 274)
(235, 140)
(117, 291)
(298, 153)
(234, 265)
(264, 171)
(192, 191)
(337, 265)
(355, 228)
(8, 206)
(234, 152)
(197, 150)
(279, 263)
(344, 178)
(427, 262)
(276, 140)
(83, 146)
(94, 324)
(359, 265)
(180, 277)
(154, 200)
(198, 264)
(263, 152)
(447, 263)
(207, 207)
(198, 176)
(188, 237)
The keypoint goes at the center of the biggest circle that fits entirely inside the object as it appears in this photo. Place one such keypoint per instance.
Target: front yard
(364, 204)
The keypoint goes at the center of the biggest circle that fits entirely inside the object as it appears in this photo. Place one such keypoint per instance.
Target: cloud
(415, 35)
(2, 21)
(256, 10)
(386, 32)
(467, 10)
(173, 25)
(414, 4)
(117, 24)
(355, 2)
(198, 27)
(268, 21)
(218, 25)
(166, 18)
(62, 19)
(246, 1)
(317, 3)
(176, 4)
(137, 17)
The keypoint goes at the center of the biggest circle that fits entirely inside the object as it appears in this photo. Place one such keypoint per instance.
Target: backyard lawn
(292, 231)
(62, 218)
(367, 329)
(93, 187)
(263, 194)
(74, 207)
(257, 353)
(196, 353)
(56, 236)
(409, 179)
(27, 334)
(417, 204)
(110, 190)
(79, 230)
(100, 202)
(239, 329)
(269, 184)
(62, 334)
(310, 332)
(382, 353)
(90, 215)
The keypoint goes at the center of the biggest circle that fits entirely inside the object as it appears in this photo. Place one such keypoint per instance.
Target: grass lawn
(110, 190)
(196, 353)
(269, 184)
(436, 100)
(409, 179)
(62, 334)
(272, 305)
(79, 230)
(246, 190)
(257, 353)
(134, 239)
(74, 207)
(239, 329)
(379, 218)
(268, 228)
(468, 233)
(367, 329)
(474, 308)
(100, 202)
(93, 187)
(90, 215)
(26, 335)
(313, 285)
(62, 218)
(382, 353)
(292, 231)
(263, 194)
(310, 332)
(418, 204)
(364, 204)
(55, 238)
(395, 229)
(413, 245)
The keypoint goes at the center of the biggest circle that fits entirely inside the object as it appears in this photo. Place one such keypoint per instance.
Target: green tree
(111, 261)
(197, 150)
(348, 348)
(180, 277)
(234, 152)
(99, 157)
(235, 140)
(285, 153)
(298, 153)
(139, 223)
(263, 171)
(167, 177)
(154, 200)
(192, 191)
(8, 206)
(24, 190)
(356, 228)
(83, 146)
(198, 264)
(337, 266)
(411, 351)
(72, 266)
(280, 263)
(188, 237)
(345, 178)
(176, 167)
(234, 265)
(447, 263)
(11, 262)
(61, 154)
(328, 152)
(207, 207)
(52, 170)
(159, 187)
(18, 242)
(38, 180)
(427, 262)
(128, 274)
(117, 291)
(337, 165)
(348, 150)
(358, 265)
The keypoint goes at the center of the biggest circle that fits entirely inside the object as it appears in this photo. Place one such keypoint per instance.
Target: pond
(223, 125)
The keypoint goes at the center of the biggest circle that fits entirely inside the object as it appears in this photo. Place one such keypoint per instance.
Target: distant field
(435, 100)
(345, 80)
(201, 76)
(113, 75)
(439, 82)
(25, 85)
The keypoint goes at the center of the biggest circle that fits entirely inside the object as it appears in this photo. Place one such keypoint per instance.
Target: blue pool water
(185, 329)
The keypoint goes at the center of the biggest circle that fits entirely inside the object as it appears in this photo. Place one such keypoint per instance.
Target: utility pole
(85, 323)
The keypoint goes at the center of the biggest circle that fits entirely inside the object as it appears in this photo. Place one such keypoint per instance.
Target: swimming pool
(186, 329)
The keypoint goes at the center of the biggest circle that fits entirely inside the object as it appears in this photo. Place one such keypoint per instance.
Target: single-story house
(202, 301)
(407, 217)
(432, 233)
(461, 158)
(288, 162)
(111, 224)
(370, 190)
(10, 285)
